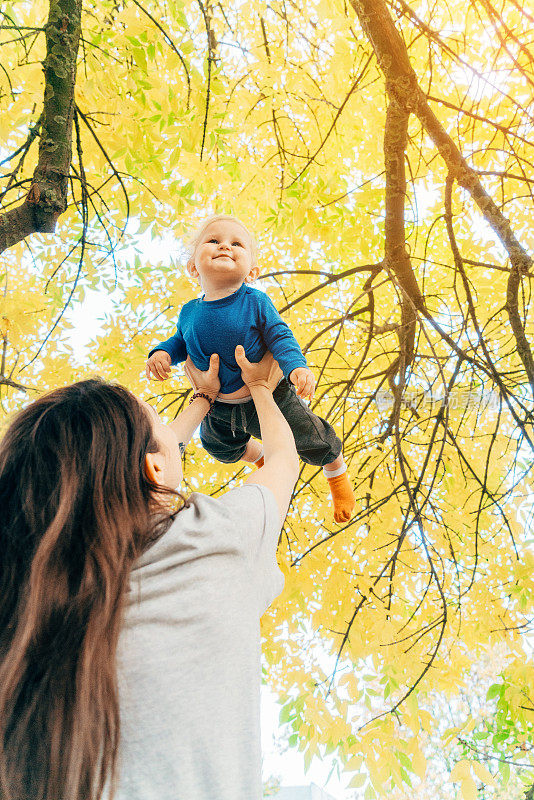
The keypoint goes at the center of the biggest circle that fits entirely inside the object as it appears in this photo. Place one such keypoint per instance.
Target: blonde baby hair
(215, 218)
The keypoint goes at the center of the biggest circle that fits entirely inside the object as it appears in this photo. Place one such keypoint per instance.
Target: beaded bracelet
(205, 396)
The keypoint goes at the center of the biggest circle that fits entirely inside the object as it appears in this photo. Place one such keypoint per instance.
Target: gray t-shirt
(189, 653)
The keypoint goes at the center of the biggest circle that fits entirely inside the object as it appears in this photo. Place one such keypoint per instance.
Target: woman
(129, 633)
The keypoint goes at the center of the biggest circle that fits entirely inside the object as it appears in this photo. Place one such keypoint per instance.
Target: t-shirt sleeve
(257, 521)
(279, 338)
(174, 346)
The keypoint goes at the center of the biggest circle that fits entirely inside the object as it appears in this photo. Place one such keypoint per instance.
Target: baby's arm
(161, 357)
(280, 340)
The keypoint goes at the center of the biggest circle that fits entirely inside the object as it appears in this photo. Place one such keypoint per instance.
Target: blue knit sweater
(246, 317)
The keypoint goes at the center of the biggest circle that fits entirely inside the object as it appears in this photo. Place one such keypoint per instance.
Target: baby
(229, 313)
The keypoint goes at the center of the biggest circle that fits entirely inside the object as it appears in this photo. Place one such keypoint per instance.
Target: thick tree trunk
(47, 197)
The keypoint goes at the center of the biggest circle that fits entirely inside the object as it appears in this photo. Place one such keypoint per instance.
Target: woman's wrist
(200, 394)
(211, 393)
(259, 389)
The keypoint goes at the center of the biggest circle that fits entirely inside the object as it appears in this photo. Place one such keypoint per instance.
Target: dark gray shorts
(225, 432)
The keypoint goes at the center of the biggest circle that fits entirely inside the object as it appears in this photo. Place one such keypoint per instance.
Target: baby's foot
(342, 496)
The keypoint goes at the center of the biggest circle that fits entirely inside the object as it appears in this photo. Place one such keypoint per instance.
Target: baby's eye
(237, 243)
(213, 239)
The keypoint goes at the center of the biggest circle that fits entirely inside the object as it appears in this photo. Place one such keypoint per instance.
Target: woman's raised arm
(206, 385)
(280, 469)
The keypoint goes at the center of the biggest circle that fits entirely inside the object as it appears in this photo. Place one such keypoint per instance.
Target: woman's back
(129, 629)
(189, 654)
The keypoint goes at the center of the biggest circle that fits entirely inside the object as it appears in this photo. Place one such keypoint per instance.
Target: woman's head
(79, 454)
(163, 467)
(81, 470)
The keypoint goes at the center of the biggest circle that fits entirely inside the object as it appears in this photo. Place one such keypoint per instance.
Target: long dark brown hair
(76, 510)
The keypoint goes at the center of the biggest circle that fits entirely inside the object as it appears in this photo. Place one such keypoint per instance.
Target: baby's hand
(159, 365)
(303, 380)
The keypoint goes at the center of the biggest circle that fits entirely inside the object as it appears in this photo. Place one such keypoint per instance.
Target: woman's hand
(207, 382)
(265, 373)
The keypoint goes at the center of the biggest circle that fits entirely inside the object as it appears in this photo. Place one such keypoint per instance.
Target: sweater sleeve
(174, 346)
(279, 339)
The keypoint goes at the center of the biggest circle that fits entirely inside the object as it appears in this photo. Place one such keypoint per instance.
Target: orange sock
(343, 496)
(259, 462)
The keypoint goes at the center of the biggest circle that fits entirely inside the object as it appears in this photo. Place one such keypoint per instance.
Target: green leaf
(504, 769)
(358, 781)
(495, 690)
(285, 713)
(139, 56)
(403, 758)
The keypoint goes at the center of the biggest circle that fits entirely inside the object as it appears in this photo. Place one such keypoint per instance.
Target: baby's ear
(191, 269)
(252, 275)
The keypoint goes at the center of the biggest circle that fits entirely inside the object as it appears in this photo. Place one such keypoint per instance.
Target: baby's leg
(253, 453)
(340, 488)
(224, 435)
(335, 465)
(318, 444)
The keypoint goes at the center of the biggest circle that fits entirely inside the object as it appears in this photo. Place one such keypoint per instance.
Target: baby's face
(223, 256)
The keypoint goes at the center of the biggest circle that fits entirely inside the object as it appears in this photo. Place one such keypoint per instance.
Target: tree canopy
(382, 151)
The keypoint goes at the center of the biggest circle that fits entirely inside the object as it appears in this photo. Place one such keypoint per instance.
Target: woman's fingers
(262, 373)
(240, 356)
(213, 370)
(207, 380)
(190, 370)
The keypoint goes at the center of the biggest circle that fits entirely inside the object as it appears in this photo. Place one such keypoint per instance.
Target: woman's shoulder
(214, 524)
(245, 506)
(238, 497)
(232, 538)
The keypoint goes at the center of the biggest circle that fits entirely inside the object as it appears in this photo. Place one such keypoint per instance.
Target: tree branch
(402, 83)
